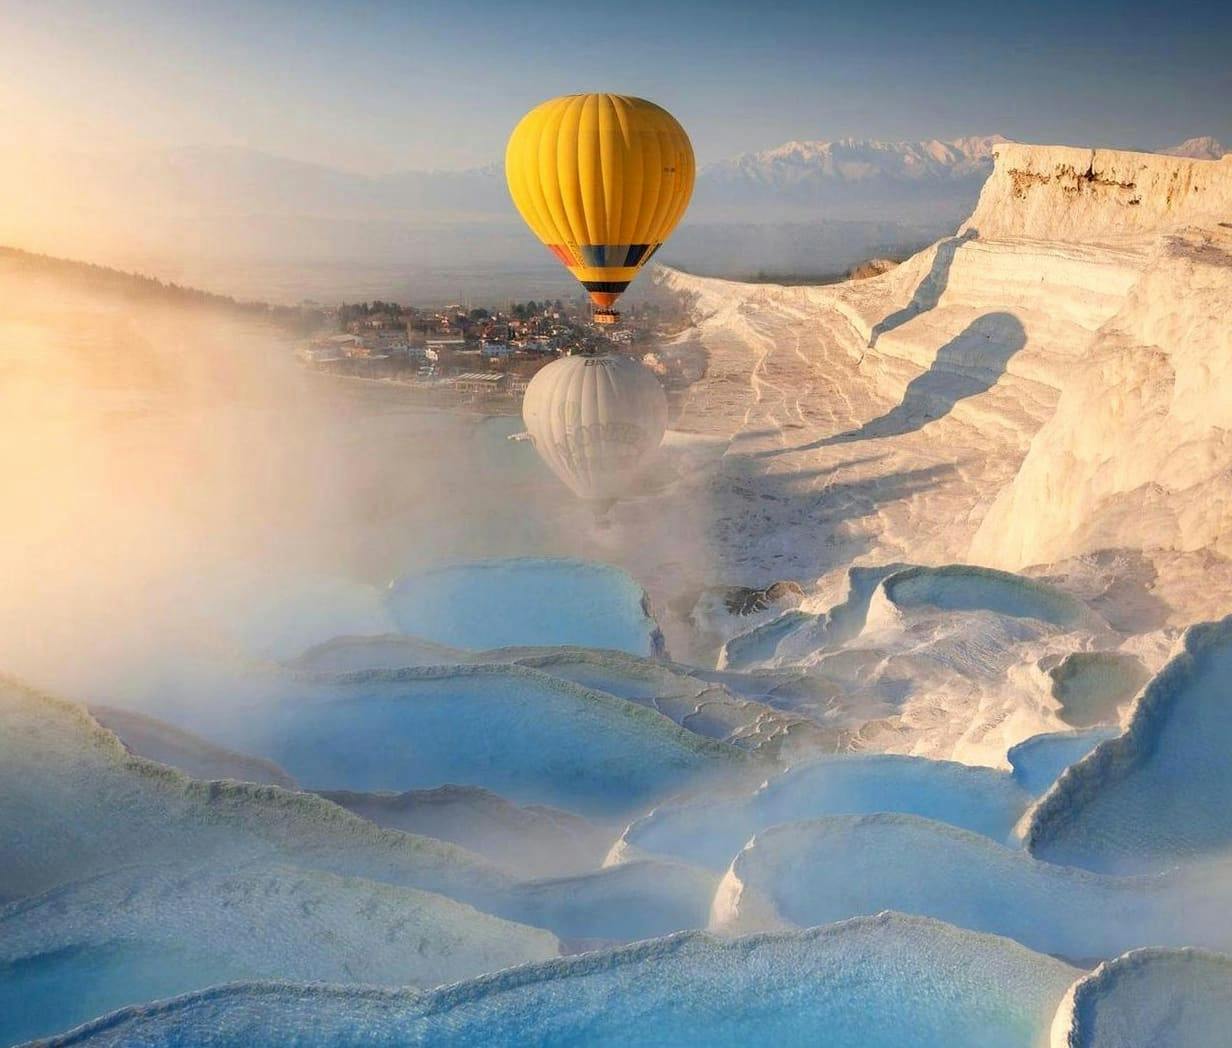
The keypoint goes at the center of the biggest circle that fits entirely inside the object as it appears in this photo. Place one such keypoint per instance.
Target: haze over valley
(742, 557)
(249, 224)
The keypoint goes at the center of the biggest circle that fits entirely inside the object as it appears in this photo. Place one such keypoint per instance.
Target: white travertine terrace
(1048, 384)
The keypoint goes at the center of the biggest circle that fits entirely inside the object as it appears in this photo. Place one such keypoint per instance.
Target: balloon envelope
(595, 421)
(602, 180)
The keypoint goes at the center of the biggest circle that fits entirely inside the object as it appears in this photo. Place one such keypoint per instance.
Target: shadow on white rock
(1091, 686)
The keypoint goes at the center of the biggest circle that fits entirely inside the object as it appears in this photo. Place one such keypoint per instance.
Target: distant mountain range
(1203, 148)
(249, 223)
(798, 174)
(889, 177)
(858, 160)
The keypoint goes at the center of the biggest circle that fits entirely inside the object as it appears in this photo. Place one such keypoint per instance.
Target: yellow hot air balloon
(602, 180)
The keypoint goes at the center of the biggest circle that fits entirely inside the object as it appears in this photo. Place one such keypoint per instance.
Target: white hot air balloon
(595, 421)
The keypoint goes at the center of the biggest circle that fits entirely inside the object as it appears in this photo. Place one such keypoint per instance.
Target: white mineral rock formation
(999, 478)
(854, 984)
(1148, 997)
(1049, 383)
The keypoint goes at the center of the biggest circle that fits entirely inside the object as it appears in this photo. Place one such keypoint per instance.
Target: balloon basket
(606, 316)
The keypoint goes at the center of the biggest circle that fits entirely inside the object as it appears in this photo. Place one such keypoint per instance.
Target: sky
(382, 86)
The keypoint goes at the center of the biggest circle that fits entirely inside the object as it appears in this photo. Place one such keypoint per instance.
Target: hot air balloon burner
(606, 316)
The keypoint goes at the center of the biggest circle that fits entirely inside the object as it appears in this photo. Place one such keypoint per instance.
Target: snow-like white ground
(991, 400)
(945, 662)
(806, 873)
(1164, 998)
(863, 983)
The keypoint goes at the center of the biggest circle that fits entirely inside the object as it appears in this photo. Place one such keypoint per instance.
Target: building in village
(481, 383)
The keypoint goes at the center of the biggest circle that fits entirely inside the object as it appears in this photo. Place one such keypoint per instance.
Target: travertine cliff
(1087, 196)
(1138, 452)
(1049, 383)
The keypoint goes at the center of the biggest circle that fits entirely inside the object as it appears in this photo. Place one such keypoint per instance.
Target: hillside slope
(1043, 387)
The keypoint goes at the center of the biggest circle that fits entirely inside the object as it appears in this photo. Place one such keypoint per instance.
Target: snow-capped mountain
(851, 178)
(1203, 147)
(859, 160)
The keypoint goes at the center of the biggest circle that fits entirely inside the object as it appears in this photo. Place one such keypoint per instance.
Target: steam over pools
(178, 489)
(654, 780)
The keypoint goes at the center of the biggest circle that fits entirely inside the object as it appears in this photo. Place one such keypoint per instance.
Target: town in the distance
(484, 357)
